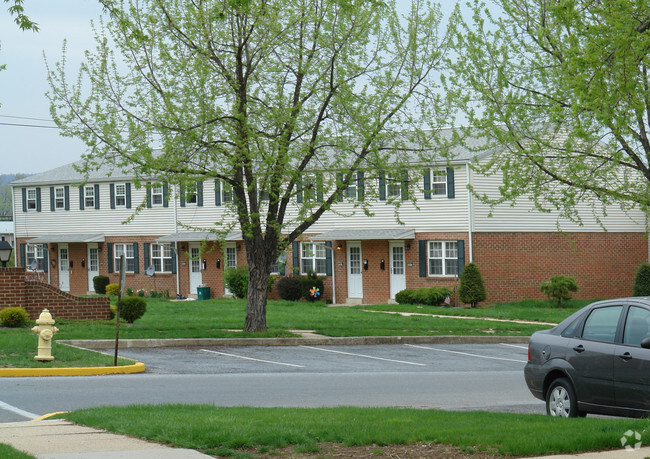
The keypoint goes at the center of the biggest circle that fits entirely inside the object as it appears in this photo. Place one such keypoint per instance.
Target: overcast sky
(39, 147)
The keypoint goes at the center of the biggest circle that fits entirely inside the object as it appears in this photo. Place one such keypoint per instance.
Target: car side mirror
(645, 343)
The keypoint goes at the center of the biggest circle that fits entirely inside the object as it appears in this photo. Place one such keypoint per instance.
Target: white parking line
(365, 356)
(23, 413)
(514, 345)
(466, 353)
(255, 360)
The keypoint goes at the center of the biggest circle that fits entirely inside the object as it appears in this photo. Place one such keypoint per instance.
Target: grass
(7, 452)
(264, 429)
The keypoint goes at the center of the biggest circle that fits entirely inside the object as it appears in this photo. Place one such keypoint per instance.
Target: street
(451, 377)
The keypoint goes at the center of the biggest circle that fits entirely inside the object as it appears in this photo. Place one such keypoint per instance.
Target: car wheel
(561, 399)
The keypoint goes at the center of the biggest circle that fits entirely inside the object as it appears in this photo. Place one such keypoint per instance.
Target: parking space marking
(365, 356)
(518, 346)
(466, 353)
(18, 411)
(255, 360)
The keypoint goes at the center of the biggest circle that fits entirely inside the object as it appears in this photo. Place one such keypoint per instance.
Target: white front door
(64, 268)
(196, 277)
(230, 254)
(93, 265)
(397, 265)
(355, 271)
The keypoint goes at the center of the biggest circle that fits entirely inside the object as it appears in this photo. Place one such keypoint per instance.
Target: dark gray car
(595, 361)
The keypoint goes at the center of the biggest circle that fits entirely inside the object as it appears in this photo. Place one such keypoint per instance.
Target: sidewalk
(60, 439)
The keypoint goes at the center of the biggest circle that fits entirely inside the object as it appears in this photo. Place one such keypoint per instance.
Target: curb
(80, 371)
(312, 341)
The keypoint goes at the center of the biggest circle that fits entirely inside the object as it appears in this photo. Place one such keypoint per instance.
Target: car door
(592, 356)
(632, 362)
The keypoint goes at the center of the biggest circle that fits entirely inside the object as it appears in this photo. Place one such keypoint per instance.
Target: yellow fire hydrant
(45, 329)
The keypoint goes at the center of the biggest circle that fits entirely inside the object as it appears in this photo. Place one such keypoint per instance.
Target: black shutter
(328, 258)
(128, 195)
(173, 244)
(319, 188)
(182, 196)
(165, 194)
(299, 188)
(38, 199)
(46, 254)
(361, 192)
(427, 183)
(96, 196)
(461, 256)
(22, 255)
(422, 257)
(136, 258)
(66, 191)
(24, 199)
(81, 198)
(148, 195)
(339, 181)
(451, 192)
(295, 247)
(405, 185)
(109, 256)
(147, 261)
(199, 194)
(52, 207)
(217, 192)
(382, 186)
(112, 191)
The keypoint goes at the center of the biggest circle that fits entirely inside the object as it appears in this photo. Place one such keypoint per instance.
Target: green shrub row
(132, 308)
(432, 296)
(309, 287)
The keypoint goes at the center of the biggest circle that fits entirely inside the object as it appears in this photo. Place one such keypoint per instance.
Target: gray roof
(69, 174)
(369, 234)
(66, 238)
(198, 236)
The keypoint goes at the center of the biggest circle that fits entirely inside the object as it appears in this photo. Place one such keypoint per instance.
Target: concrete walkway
(59, 439)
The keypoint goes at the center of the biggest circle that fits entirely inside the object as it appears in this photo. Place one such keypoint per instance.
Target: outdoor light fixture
(339, 247)
(5, 252)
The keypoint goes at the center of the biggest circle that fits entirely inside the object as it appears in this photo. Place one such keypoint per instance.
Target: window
(59, 198)
(313, 258)
(35, 253)
(602, 323)
(161, 257)
(443, 258)
(393, 187)
(309, 185)
(120, 195)
(636, 326)
(89, 196)
(31, 198)
(128, 252)
(157, 195)
(227, 193)
(438, 183)
(192, 194)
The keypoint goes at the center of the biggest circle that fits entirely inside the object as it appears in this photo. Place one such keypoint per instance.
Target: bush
(289, 288)
(133, 307)
(129, 291)
(14, 317)
(113, 310)
(433, 296)
(112, 289)
(642, 280)
(559, 288)
(311, 287)
(236, 279)
(100, 283)
(472, 288)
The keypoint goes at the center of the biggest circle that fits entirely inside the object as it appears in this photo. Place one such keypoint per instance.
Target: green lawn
(231, 431)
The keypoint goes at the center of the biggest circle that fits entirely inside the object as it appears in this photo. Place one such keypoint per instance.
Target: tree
(559, 288)
(560, 91)
(21, 19)
(281, 101)
(472, 288)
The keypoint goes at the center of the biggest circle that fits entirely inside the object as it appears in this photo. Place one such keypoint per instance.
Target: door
(230, 254)
(196, 277)
(397, 265)
(64, 268)
(93, 265)
(355, 272)
(632, 362)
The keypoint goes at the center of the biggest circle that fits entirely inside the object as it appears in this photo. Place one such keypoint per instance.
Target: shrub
(311, 287)
(289, 288)
(432, 296)
(129, 291)
(100, 283)
(141, 293)
(642, 280)
(113, 310)
(472, 288)
(14, 317)
(559, 288)
(133, 307)
(112, 289)
(236, 279)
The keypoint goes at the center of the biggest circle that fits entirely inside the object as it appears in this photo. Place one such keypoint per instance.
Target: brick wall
(34, 296)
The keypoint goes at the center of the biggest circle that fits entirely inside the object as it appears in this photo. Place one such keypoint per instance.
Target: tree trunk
(256, 300)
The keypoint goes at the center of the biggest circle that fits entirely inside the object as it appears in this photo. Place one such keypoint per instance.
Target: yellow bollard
(45, 329)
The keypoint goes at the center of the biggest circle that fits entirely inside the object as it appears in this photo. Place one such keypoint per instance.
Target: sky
(29, 141)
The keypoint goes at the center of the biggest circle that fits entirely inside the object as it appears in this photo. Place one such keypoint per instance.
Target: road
(452, 377)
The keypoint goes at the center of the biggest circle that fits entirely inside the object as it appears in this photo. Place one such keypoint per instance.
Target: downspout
(469, 214)
(178, 272)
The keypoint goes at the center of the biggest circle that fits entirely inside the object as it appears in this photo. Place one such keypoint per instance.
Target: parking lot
(332, 359)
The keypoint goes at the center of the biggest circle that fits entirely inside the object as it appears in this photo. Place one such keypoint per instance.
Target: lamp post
(5, 252)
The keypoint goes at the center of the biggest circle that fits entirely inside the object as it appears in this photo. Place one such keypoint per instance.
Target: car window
(636, 326)
(573, 329)
(601, 324)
